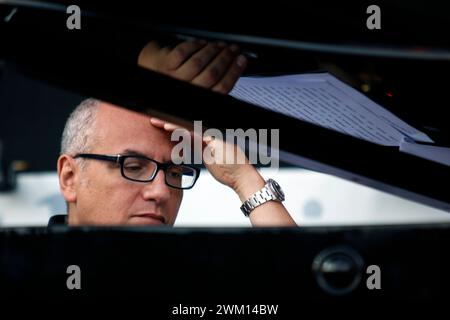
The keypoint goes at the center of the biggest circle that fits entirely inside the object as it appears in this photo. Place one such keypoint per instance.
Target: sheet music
(324, 100)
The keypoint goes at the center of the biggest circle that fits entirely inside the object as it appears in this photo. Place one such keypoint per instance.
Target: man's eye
(133, 167)
(175, 174)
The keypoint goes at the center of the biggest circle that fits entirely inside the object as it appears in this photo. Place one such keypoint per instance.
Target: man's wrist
(249, 182)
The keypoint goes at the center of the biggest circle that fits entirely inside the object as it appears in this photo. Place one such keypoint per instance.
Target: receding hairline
(77, 133)
(81, 129)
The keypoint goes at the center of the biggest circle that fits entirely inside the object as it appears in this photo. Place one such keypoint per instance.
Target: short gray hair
(77, 135)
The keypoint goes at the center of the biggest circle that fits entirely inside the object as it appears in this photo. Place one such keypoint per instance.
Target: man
(115, 166)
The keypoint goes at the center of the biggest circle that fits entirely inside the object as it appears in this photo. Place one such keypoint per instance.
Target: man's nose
(157, 189)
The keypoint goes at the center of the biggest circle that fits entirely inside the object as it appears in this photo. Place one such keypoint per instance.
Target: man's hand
(226, 162)
(210, 65)
(240, 175)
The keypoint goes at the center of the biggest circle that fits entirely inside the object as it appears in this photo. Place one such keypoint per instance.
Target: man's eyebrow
(131, 152)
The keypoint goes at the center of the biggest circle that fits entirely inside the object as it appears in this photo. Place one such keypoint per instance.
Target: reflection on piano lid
(80, 62)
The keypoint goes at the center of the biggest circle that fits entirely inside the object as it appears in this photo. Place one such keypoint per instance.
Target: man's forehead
(127, 131)
(112, 116)
(114, 111)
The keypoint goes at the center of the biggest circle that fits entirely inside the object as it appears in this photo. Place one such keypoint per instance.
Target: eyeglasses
(142, 169)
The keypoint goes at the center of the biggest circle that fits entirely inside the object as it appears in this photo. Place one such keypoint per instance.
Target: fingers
(157, 122)
(198, 61)
(171, 127)
(214, 66)
(226, 84)
(217, 69)
(182, 52)
(164, 124)
(149, 55)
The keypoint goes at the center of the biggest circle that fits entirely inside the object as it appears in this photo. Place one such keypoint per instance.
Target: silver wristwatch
(271, 191)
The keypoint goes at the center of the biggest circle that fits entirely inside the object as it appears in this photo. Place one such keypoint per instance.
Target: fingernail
(241, 61)
(155, 120)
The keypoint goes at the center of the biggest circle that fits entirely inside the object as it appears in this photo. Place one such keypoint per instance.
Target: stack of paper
(324, 100)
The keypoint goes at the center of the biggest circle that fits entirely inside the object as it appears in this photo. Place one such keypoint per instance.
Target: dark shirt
(57, 220)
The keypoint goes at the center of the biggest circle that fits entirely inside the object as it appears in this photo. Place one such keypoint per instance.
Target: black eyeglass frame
(120, 159)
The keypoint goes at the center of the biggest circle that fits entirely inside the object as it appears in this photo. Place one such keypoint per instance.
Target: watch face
(276, 189)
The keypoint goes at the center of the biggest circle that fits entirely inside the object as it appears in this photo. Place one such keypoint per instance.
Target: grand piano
(402, 66)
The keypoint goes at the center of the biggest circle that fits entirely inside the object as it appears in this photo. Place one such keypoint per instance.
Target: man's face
(103, 196)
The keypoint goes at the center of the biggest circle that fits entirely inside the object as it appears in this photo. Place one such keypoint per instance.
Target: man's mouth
(148, 219)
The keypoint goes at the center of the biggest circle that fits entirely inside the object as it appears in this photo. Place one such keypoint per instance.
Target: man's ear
(67, 174)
